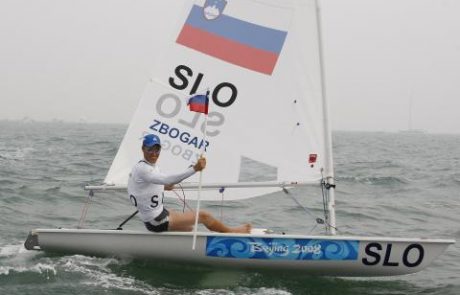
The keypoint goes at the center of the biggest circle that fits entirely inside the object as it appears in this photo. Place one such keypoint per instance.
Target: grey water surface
(388, 184)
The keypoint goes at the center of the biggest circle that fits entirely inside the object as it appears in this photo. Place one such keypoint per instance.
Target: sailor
(146, 185)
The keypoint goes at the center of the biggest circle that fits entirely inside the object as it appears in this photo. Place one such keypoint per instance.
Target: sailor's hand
(200, 165)
(169, 187)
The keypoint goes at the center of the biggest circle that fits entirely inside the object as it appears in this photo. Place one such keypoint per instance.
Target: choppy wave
(456, 179)
(89, 271)
(16, 155)
(97, 273)
(376, 180)
(385, 187)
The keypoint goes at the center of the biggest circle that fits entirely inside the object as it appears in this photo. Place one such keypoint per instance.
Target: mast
(329, 165)
(410, 112)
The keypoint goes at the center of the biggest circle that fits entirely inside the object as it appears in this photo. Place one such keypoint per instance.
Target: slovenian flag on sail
(199, 103)
(243, 42)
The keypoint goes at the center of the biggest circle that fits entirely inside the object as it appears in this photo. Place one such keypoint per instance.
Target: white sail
(260, 61)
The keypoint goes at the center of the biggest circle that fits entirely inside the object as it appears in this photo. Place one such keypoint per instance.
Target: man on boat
(146, 187)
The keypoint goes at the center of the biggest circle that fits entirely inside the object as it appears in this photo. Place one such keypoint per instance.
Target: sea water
(388, 184)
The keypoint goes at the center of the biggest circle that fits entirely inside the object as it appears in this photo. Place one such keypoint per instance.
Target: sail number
(183, 73)
(412, 255)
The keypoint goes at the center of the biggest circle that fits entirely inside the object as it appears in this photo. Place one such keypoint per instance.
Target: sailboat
(410, 130)
(262, 63)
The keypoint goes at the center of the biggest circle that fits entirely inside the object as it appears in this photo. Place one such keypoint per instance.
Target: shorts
(160, 223)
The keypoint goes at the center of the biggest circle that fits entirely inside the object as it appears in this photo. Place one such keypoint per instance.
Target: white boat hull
(315, 255)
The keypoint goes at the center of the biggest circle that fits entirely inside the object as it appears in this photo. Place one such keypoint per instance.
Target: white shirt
(146, 188)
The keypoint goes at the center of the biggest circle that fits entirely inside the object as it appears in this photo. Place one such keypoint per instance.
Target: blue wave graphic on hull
(281, 248)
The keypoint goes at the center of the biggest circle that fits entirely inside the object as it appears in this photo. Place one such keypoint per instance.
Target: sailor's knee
(205, 217)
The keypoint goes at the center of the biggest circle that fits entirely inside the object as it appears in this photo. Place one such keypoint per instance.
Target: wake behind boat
(268, 109)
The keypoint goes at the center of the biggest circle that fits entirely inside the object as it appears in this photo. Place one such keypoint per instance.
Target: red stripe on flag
(233, 52)
(198, 107)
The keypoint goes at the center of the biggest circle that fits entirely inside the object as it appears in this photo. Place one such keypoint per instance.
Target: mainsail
(260, 61)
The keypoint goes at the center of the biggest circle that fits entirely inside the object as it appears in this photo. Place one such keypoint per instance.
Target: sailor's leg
(215, 225)
(179, 221)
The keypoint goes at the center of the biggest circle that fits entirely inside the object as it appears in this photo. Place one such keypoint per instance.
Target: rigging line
(120, 227)
(317, 219)
(84, 210)
(326, 186)
(323, 184)
(183, 193)
(182, 200)
(326, 217)
(301, 206)
(221, 190)
(313, 228)
(326, 197)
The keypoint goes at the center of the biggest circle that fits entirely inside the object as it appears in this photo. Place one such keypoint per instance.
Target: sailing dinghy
(262, 63)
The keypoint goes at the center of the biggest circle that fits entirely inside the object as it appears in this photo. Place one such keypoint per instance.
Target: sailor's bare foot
(242, 229)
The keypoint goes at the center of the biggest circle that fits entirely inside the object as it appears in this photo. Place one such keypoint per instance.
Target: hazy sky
(90, 59)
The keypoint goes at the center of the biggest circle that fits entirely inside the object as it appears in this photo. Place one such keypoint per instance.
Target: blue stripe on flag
(238, 30)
